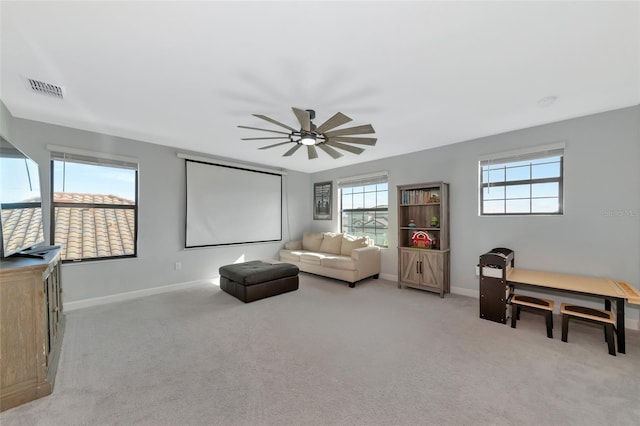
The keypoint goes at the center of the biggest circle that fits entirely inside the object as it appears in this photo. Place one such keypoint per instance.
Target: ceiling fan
(312, 136)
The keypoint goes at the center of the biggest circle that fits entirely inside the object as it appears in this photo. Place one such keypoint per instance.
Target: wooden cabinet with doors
(425, 270)
(31, 327)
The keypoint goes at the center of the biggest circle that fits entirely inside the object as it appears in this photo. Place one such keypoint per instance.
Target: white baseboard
(389, 277)
(86, 303)
(465, 292)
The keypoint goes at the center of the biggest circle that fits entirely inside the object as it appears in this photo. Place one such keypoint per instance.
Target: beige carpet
(330, 355)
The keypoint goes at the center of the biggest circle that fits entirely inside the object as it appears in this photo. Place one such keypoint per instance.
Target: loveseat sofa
(340, 256)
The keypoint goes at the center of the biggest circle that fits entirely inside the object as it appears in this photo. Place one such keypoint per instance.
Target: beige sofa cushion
(350, 242)
(331, 243)
(293, 245)
(310, 257)
(290, 255)
(339, 262)
(312, 240)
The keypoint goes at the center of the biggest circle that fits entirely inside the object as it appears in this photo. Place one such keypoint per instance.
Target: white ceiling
(424, 74)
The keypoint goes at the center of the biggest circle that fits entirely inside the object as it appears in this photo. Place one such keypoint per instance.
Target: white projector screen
(231, 205)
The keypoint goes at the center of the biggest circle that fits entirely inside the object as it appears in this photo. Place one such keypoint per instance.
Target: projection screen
(231, 205)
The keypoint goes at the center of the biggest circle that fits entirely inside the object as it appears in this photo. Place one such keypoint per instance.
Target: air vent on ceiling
(46, 88)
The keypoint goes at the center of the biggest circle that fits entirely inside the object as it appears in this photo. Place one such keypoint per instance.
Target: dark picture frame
(322, 200)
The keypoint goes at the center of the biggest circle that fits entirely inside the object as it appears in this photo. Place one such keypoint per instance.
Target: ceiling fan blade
(275, 144)
(292, 150)
(332, 152)
(271, 120)
(358, 130)
(353, 149)
(264, 130)
(261, 139)
(304, 118)
(311, 152)
(360, 141)
(338, 119)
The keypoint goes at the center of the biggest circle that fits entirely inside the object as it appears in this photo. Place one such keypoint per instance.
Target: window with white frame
(527, 182)
(364, 207)
(94, 208)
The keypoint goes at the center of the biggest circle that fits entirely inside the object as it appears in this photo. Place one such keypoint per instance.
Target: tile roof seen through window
(74, 197)
(90, 232)
(21, 228)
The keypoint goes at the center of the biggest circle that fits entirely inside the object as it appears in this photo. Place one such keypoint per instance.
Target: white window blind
(61, 153)
(540, 152)
(370, 179)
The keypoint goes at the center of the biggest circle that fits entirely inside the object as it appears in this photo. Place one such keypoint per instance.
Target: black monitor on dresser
(22, 226)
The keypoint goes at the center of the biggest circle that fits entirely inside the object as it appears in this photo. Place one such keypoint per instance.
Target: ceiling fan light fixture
(326, 137)
(308, 140)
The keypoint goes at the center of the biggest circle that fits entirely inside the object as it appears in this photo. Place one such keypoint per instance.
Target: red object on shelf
(422, 239)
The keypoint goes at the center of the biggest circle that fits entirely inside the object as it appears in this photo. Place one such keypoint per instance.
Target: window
(364, 207)
(94, 209)
(526, 183)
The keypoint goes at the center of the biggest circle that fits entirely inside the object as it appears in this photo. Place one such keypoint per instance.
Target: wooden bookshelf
(424, 207)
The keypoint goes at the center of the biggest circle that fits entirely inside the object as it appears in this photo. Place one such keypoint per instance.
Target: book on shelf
(420, 196)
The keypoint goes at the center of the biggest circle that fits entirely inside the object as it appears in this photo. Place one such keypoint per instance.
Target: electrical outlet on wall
(177, 266)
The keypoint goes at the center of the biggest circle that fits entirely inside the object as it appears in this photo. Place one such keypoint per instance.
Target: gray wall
(161, 215)
(598, 235)
(5, 122)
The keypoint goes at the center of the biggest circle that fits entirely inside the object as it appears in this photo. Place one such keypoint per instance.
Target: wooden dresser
(31, 327)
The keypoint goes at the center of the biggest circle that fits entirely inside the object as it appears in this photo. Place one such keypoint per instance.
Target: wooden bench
(613, 293)
(598, 316)
(519, 301)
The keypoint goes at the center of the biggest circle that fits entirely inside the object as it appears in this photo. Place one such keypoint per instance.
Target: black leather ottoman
(256, 280)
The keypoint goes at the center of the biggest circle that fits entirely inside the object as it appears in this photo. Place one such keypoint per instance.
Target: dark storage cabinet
(495, 292)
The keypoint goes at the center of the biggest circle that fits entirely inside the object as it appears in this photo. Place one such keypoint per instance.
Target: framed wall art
(322, 197)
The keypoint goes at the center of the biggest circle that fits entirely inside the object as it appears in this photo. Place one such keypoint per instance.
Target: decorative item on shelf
(435, 197)
(411, 224)
(435, 222)
(422, 239)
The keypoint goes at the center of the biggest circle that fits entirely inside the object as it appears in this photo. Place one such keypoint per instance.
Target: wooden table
(604, 288)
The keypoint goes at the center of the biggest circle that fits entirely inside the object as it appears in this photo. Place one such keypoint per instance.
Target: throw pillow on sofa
(312, 240)
(331, 243)
(350, 242)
